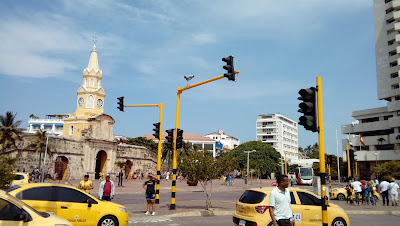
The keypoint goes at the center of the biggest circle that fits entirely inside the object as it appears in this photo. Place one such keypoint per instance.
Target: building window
(390, 31)
(395, 86)
(393, 64)
(71, 130)
(397, 98)
(209, 147)
(387, 117)
(387, 1)
(391, 42)
(394, 75)
(392, 53)
(91, 82)
(391, 20)
(90, 102)
(375, 119)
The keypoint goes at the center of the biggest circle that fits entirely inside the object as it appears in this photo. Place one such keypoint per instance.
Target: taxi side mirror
(89, 203)
(23, 217)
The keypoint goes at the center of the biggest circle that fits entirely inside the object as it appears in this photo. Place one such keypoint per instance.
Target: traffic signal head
(156, 130)
(308, 108)
(121, 103)
(329, 159)
(170, 138)
(230, 68)
(179, 138)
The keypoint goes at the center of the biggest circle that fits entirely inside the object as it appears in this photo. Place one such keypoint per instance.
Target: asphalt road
(355, 220)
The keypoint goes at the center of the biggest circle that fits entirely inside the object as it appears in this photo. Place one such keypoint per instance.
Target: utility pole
(248, 157)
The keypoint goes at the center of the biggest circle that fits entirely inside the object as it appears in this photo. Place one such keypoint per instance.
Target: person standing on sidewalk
(120, 178)
(394, 192)
(86, 184)
(149, 186)
(280, 208)
(106, 189)
(384, 187)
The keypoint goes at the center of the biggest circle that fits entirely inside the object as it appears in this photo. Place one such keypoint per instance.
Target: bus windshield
(306, 173)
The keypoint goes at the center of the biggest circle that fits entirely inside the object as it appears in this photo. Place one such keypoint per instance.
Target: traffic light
(329, 160)
(308, 108)
(121, 103)
(230, 68)
(170, 138)
(179, 138)
(156, 130)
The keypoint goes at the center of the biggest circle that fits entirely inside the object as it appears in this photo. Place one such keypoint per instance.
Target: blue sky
(146, 47)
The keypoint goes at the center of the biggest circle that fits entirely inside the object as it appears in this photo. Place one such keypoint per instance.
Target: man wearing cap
(106, 189)
(86, 184)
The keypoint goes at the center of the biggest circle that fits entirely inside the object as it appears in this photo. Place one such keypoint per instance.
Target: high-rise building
(380, 127)
(278, 131)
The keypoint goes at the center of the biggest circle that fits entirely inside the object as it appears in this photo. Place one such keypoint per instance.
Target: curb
(383, 212)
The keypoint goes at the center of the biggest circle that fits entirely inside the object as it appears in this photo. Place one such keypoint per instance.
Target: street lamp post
(247, 173)
(376, 162)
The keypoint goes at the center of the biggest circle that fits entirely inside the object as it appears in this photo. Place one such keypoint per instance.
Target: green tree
(265, 160)
(7, 164)
(39, 144)
(388, 170)
(9, 131)
(202, 167)
(144, 142)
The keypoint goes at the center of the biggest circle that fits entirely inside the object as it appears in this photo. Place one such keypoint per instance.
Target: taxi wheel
(341, 196)
(108, 221)
(338, 221)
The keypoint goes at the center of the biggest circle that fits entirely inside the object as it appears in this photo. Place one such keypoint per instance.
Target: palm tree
(9, 131)
(39, 144)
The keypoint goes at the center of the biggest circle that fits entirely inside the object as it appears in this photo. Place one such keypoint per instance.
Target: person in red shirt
(149, 187)
(106, 189)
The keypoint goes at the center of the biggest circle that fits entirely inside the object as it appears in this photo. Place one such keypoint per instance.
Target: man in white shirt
(280, 208)
(384, 186)
(394, 192)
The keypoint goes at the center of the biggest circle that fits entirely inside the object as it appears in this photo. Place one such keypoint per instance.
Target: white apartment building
(50, 125)
(278, 131)
(380, 127)
(228, 141)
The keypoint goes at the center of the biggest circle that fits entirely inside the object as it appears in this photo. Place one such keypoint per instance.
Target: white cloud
(204, 38)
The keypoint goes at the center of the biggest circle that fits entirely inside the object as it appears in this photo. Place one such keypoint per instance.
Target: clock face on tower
(99, 103)
(81, 101)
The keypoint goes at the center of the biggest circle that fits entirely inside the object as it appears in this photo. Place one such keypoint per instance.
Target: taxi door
(296, 209)
(38, 198)
(73, 206)
(9, 214)
(311, 208)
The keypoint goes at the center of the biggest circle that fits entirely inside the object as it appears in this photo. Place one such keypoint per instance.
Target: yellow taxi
(14, 212)
(20, 178)
(70, 203)
(252, 209)
(341, 193)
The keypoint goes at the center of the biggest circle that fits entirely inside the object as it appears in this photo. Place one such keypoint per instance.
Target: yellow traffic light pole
(324, 198)
(175, 155)
(290, 153)
(160, 105)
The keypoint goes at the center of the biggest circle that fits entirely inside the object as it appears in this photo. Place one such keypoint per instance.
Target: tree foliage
(9, 131)
(7, 164)
(388, 170)
(144, 142)
(265, 160)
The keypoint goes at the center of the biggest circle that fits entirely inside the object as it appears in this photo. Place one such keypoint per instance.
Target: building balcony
(364, 127)
(385, 155)
(395, 4)
(32, 120)
(393, 106)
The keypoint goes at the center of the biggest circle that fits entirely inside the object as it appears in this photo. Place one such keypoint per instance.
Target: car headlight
(123, 209)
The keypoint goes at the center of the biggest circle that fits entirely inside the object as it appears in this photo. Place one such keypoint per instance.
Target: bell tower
(90, 99)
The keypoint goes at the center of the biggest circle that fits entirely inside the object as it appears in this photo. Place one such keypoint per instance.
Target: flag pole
(337, 155)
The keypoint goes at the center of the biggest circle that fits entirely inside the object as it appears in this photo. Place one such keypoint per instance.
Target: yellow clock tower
(90, 99)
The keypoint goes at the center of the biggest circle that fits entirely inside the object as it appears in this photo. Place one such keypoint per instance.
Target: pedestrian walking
(370, 196)
(120, 178)
(228, 179)
(167, 176)
(106, 189)
(280, 208)
(149, 187)
(384, 189)
(394, 192)
(348, 192)
(86, 184)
